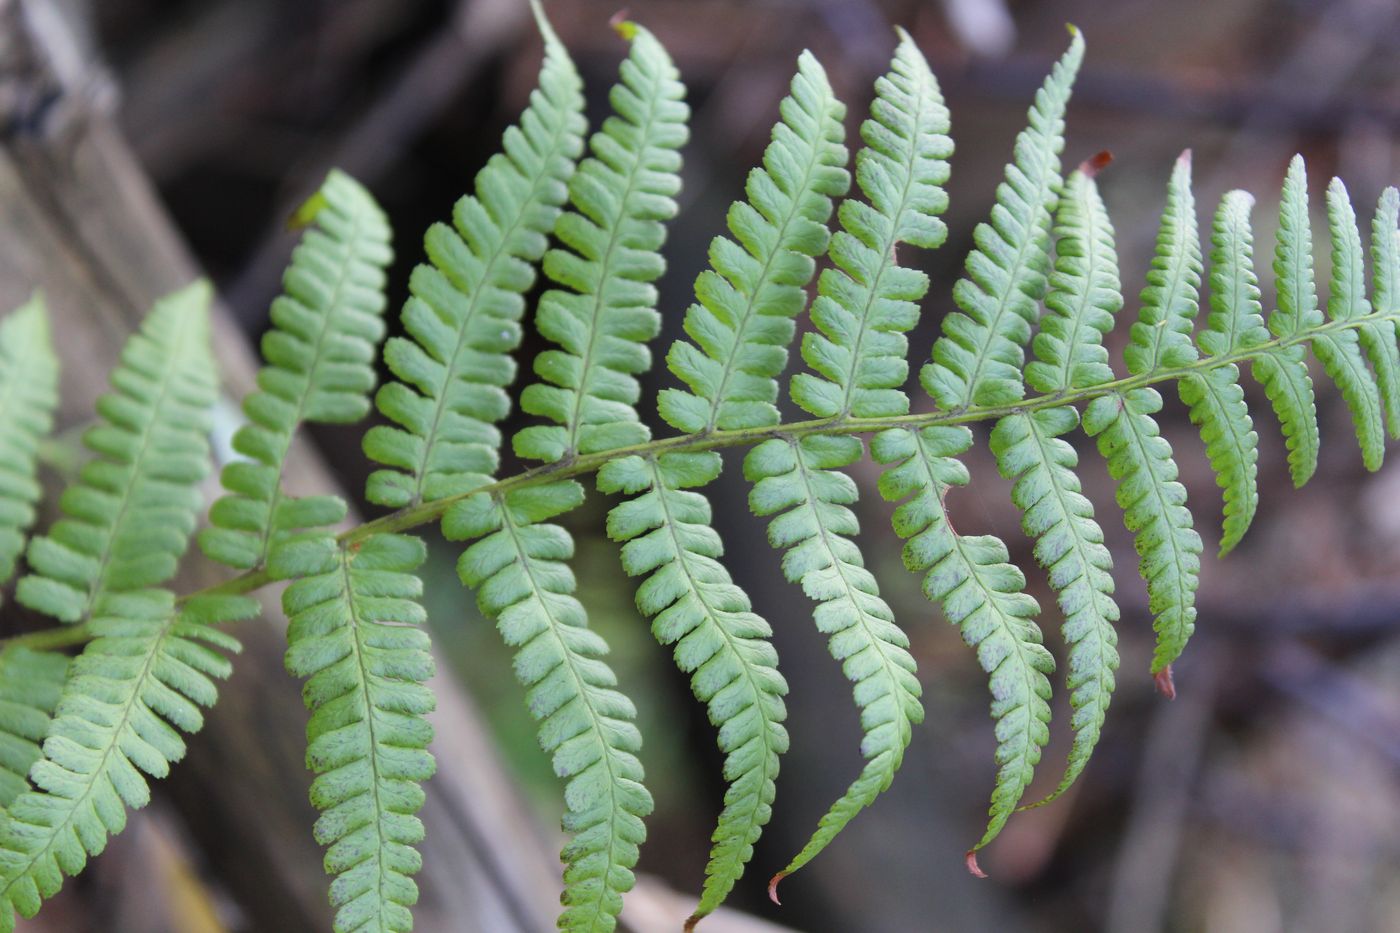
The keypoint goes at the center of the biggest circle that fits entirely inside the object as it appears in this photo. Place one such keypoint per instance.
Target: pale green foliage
(866, 301)
(1215, 398)
(978, 358)
(1154, 509)
(980, 592)
(319, 368)
(353, 635)
(743, 320)
(128, 518)
(28, 396)
(605, 313)
(463, 319)
(718, 639)
(521, 579)
(148, 668)
(78, 738)
(800, 483)
(1283, 372)
(30, 684)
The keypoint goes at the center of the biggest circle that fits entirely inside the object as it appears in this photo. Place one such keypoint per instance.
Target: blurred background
(1266, 797)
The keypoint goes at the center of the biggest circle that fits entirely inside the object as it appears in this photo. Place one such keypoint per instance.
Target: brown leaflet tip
(773, 887)
(622, 24)
(691, 922)
(1165, 685)
(1096, 163)
(972, 866)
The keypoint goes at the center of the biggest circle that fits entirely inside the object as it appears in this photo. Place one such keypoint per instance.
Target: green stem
(414, 516)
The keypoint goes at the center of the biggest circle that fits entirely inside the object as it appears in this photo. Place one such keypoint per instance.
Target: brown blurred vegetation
(1267, 797)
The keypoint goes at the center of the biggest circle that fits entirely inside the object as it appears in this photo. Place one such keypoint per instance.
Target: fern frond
(518, 570)
(30, 684)
(800, 483)
(319, 368)
(354, 636)
(1154, 509)
(128, 518)
(978, 358)
(602, 318)
(743, 319)
(980, 592)
(718, 639)
(1084, 296)
(28, 397)
(866, 302)
(146, 674)
(1284, 371)
(1340, 351)
(1161, 337)
(1214, 397)
(463, 319)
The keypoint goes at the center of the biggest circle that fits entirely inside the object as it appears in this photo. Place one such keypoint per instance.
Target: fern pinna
(1024, 353)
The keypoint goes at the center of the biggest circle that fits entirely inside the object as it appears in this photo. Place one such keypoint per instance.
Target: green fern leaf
(1214, 397)
(463, 319)
(146, 674)
(1340, 351)
(1161, 337)
(1069, 545)
(1154, 509)
(128, 518)
(1283, 372)
(30, 684)
(521, 579)
(978, 358)
(1084, 296)
(800, 483)
(980, 592)
(605, 314)
(354, 636)
(743, 320)
(866, 301)
(718, 638)
(28, 397)
(320, 355)
(1378, 338)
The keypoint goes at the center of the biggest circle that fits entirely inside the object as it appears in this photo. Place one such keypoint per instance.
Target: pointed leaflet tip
(1073, 30)
(773, 887)
(1096, 163)
(623, 26)
(1165, 686)
(1184, 159)
(973, 868)
(691, 922)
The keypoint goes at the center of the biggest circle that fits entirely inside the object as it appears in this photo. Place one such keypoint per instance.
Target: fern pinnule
(979, 355)
(744, 316)
(1139, 458)
(463, 318)
(1214, 397)
(517, 568)
(128, 517)
(1340, 351)
(30, 684)
(1283, 371)
(28, 397)
(981, 593)
(604, 315)
(1084, 295)
(1378, 338)
(354, 636)
(1161, 337)
(718, 639)
(319, 367)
